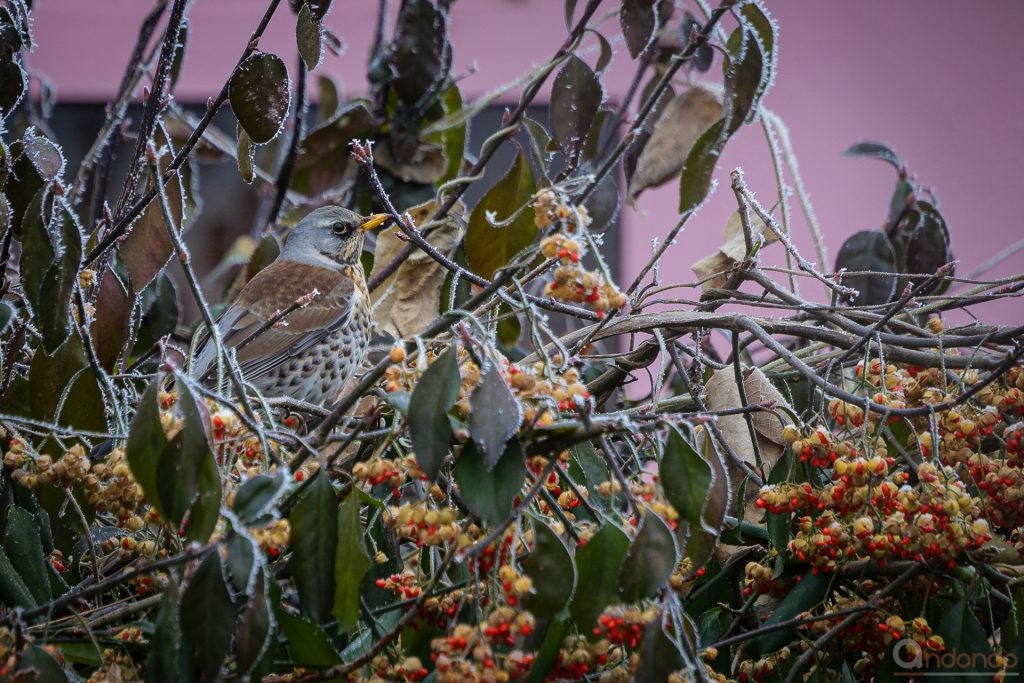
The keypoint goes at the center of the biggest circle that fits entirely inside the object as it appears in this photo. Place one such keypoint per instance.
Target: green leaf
(489, 248)
(37, 248)
(548, 653)
(41, 664)
(146, 442)
(45, 155)
(320, 8)
(551, 568)
(255, 627)
(868, 250)
(928, 248)
(165, 661)
(453, 140)
(255, 496)
(245, 154)
(541, 148)
(649, 561)
(13, 590)
(575, 98)
(38, 163)
(639, 23)
(432, 398)
(695, 179)
(659, 654)
(494, 415)
(158, 305)
(587, 467)
(756, 18)
(207, 610)
(603, 202)
(599, 562)
(62, 380)
(778, 525)
(745, 77)
(489, 494)
(875, 150)
(960, 629)
(330, 100)
(188, 480)
(241, 559)
(805, 595)
(25, 550)
(307, 643)
(898, 204)
(13, 81)
(350, 563)
(260, 95)
(605, 52)
(53, 308)
(685, 477)
(309, 35)
(314, 542)
(82, 653)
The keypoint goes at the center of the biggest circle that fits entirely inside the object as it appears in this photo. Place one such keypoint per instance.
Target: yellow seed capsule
(397, 353)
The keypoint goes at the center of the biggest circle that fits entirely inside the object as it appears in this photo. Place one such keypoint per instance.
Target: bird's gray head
(330, 232)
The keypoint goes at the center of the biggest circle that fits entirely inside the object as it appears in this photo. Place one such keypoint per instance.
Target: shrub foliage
(819, 479)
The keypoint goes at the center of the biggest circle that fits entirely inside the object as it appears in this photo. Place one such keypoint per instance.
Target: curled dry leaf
(409, 300)
(712, 270)
(760, 390)
(426, 164)
(681, 122)
(724, 394)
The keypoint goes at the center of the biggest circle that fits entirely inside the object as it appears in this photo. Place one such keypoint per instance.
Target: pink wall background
(938, 84)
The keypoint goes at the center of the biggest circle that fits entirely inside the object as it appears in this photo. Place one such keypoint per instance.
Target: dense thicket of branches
(832, 493)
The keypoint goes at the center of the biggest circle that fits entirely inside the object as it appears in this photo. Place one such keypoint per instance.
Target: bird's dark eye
(338, 228)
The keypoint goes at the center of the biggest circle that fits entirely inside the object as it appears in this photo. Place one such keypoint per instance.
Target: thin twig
(284, 175)
(126, 221)
(510, 126)
(154, 104)
(796, 672)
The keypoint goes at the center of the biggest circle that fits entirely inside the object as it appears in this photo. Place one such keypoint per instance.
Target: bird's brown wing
(274, 289)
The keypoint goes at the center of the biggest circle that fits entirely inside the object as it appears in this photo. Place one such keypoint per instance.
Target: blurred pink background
(929, 78)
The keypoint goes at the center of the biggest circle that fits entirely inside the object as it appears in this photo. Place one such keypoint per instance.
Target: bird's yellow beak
(375, 221)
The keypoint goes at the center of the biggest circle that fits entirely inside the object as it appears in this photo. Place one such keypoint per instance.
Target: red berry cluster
(403, 584)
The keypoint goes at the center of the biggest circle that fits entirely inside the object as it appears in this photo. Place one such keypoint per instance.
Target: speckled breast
(320, 373)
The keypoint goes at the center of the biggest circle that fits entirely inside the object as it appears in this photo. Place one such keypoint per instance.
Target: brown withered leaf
(760, 390)
(148, 247)
(722, 394)
(713, 269)
(205, 151)
(109, 322)
(426, 165)
(681, 122)
(408, 301)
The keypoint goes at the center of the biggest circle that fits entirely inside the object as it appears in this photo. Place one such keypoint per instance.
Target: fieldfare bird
(313, 351)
